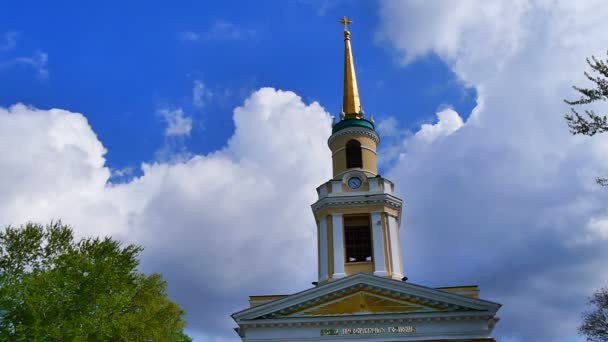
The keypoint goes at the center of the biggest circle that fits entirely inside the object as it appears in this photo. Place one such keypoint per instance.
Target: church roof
(362, 294)
(352, 123)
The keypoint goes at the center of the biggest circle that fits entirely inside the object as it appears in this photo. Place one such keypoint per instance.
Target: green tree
(53, 288)
(595, 321)
(591, 123)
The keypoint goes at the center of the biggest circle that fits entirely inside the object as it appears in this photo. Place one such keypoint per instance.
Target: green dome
(352, 123)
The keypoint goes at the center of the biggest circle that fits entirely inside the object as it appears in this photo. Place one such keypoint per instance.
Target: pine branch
(593, 125)
(601, 82)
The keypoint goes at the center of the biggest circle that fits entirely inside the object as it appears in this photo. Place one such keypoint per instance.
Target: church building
(362, 293)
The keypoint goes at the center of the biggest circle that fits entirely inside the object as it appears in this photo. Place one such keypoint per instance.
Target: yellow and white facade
(361, 292)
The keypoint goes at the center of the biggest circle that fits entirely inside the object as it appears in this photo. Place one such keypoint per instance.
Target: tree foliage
(591, 123)
(53, 288)
(595, 321)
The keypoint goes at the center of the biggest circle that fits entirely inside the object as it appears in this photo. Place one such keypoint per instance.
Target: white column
(394, 241)
(378, 243)
(323, 262)
(338, 230)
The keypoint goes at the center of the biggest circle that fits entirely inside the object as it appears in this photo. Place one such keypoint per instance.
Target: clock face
(354, 182)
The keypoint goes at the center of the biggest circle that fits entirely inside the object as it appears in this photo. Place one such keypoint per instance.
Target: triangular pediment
(364, 294)
(365, 302)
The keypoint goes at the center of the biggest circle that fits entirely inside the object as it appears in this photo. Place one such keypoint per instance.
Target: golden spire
(351, 106)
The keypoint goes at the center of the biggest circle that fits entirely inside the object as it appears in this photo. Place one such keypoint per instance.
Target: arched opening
(357, 238)
(353, 154)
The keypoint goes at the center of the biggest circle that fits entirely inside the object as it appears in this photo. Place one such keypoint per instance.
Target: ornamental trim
(328, 202)
(484, 316)
(354, 130)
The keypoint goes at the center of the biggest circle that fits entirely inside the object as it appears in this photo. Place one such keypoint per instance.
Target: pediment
(364, 294)
(360, 302)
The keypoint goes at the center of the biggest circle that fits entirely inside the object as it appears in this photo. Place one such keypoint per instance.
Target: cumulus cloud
(53, 167)
(449, 30)
(397, 140)
(507, 199)
(206, 222)
(389, 127)
(448, 123)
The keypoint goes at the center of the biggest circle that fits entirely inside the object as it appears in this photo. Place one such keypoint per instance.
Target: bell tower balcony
(358, 221)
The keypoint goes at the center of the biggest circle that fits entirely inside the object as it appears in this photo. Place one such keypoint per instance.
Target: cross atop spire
(351, 106)
(346, 22)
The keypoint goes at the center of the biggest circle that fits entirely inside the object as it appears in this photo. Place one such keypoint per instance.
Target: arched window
(353, 154)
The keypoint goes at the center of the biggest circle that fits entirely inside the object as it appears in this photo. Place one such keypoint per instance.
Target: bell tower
(359, 295)
(357, 214)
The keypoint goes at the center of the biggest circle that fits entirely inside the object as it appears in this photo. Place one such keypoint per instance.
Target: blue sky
(199, 129)
(119, 63)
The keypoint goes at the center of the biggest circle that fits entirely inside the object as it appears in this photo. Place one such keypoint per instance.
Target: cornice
(366, 320)
(362, 287)
(361, 281)
(357, 201)
(355, 131)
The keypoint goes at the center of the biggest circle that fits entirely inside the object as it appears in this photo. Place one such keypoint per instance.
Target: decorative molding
(405, 290)
(353, 320)
(357, 201)
(355, 131)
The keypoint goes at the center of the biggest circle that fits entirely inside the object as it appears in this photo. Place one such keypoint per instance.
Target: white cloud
(449, 31)
(200, 94)
(448, 123)
(397, 140)
(178, 124)
(506, 198)
(125, 171)
(53, 167)
(122, 173)
(38, 61)
(206, 222)
(179, 128)
(597, 228)
(389, 127)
